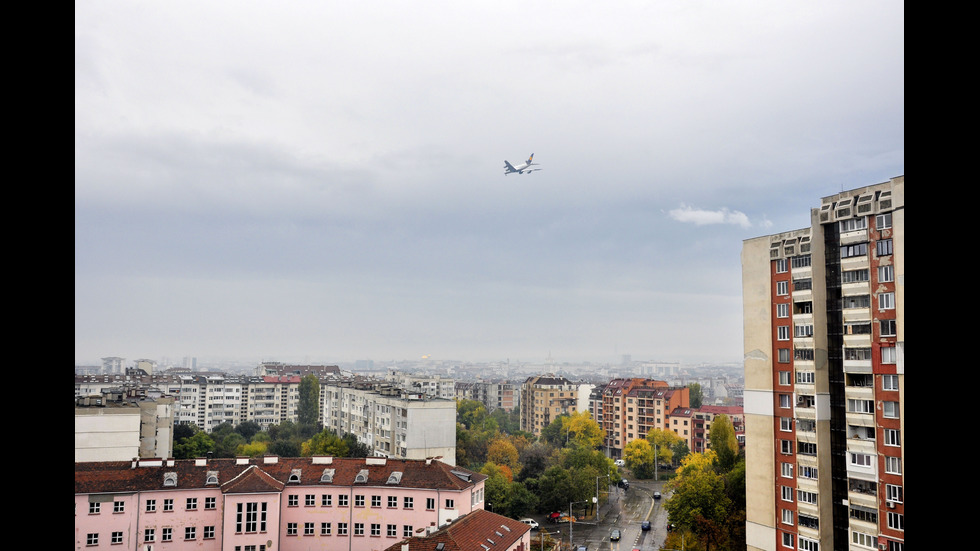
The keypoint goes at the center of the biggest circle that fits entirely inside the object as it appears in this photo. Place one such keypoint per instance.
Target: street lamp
(596, 499)
(571, 522)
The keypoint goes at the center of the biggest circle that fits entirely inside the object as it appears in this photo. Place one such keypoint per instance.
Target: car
(656, 495)
(670, 527)
(624, 483)
(553, 517)
(531, 522)
(566, 518)
(614, 535)
(581, 548)
(645, 525)
(620, 463)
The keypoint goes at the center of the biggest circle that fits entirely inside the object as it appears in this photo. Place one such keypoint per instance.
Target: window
(888, 355)
(375, 501)
(782, 333)
(342, 500)
(857, 353)
(864, 540)
(782, 310)
(808, 544)
(375, 529)
(855, 276)
(785, 423)
(450, 504)
(781, 266)
(883, 221)
(788, 540)
(855, 301)
(860, 406)
(787, 493)
(91, 539)
(358, 528)
(250, 517)
(308, 529)
(806, 448)
(310, 500)
(191, 504)
(889, 382)
(896, 521)
(118, 506)
(117, 538)
(893, 493)
(857, 249)
(292, 529)
(808, 472)
(325, 528)
(783, 355)
(805, 377)
(854, 224)
(210, 503)
(392, 502)
(886, 274)
(857, 328)
(803, 284)
(883, 247)
(804, 496)
(94, 508)
(430, 503)
(782, 288)
(860, 459)
(803, 354)
(392, 530)
(151, 505)
(889, 410)
(887, 328)
(803, 330)
(407, 531)
(786, 447)
(293, 501)
(190, 533)
(167, 534)
(168, 505)
(801, 261)
(787, 516)
(358, 501)
(208, 532)
(326, 500)
(149, 535)
(341, 528)
(892, 437)
(886, 301)
(408, 503)
(787, 470)
(784, 377)
(785, 401)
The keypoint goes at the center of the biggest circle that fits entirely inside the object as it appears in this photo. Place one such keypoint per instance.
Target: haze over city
(325, 181)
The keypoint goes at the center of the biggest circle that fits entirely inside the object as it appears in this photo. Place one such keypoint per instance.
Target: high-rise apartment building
(825, 377)
(545, 397)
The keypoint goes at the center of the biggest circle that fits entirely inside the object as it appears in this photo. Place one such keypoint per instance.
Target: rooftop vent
(362, 477)
(395, 478)
(295, 476)
(327, 475)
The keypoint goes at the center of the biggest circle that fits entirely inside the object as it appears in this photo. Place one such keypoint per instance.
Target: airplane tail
(529, 158)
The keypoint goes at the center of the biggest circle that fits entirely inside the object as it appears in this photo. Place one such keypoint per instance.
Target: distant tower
(113, 365)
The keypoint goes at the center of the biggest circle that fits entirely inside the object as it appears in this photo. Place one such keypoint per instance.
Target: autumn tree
(325, 442)
(699, 501)
(723, 442)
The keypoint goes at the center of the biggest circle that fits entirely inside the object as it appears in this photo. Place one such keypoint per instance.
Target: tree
(699, 502)
(248, 429)
(325, 442)
(308, 410)
(663, 442)
(723, 442)
(197, 445)
(639, 457)
(502, 452)
(584, 431)
(697, 397)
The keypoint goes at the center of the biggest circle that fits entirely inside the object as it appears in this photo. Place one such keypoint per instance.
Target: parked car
(645, 525)
(553, 517)
(620, 463)
(581, 548)
(531, 522)
(656, 495)
(566, 518)
(624, 483)
(614, 536)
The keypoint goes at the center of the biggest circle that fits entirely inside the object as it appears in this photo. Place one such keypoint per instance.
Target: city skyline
(279, 181)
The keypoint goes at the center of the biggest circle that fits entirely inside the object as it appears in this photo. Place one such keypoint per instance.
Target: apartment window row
(191, 504)
(343, 529)
(167, 534)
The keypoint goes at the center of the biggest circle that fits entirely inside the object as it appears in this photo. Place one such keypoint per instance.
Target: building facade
(825, 376)
(544, 398)
(268, 503)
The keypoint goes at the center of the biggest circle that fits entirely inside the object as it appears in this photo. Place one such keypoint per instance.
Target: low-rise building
(268, 503)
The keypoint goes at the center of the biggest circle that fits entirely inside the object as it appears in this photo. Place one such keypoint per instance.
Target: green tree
(308, 410)
(197, 445)
(248, 429)
(639, 457)
(699, 502)
(697, 397)
(664, 442)
(723, 442)
(325, 442)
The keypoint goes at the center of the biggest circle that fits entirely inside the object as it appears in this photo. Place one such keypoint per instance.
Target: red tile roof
(476, 531)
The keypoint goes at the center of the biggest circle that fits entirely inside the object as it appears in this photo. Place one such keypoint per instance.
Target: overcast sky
(323, 181)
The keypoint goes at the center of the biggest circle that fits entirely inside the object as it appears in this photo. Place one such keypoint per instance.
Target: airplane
(521, 168)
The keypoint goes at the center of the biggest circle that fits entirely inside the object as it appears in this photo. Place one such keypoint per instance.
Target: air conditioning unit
(883, 546)
(891, 504)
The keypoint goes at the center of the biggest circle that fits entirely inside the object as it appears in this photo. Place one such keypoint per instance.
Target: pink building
(269, 503)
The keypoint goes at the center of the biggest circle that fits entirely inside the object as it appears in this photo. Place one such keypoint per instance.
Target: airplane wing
(509, 167)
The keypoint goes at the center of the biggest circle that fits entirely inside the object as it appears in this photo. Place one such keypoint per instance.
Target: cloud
(703, 217)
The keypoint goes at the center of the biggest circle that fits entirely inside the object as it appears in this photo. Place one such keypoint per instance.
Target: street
(625, 510)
